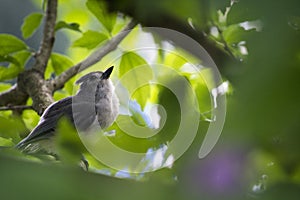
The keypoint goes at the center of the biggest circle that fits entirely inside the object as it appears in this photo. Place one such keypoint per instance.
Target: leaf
(174, 60)
(71, 26)
(235, 33)
(10, 128)
(30, 24)
(138, 115)
(7, 73)
(134, 74)
(10, 44)
(90, 39)
(127, 141)
(12, 71)
(7, 58)
(98, 8)
(68, 142)
(60, 63)
(4, 86)
(6, 142)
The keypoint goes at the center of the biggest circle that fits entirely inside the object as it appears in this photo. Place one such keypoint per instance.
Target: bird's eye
(93, 77)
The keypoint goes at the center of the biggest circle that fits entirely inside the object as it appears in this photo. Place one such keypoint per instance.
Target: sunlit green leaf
(10, 128)
(174, 60)
(4, 86)
(203, 96)
(98, 8)
(90, 39)
(10, 59)
(30, 117)
(31, 23)
(135, 74)
(138, 115)
(127, 142)
(60, 63)
(235, 34)
(10, 72)
(71, 26)
(6, 142)
(10, 44)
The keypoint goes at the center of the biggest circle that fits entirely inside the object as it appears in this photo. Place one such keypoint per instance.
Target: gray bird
(94, 104)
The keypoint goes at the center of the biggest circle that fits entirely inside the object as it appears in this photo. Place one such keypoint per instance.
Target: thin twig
(226, 47)
(21, 107)
(95, 57)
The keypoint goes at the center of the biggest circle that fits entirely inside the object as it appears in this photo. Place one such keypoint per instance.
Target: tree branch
(32, 81)
(47, 42)
(13, 96)
(95, 57)
(20, 107)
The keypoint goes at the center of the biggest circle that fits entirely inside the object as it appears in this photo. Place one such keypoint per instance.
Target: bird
(95, 103)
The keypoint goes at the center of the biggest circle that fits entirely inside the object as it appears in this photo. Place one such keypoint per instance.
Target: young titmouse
(95, 102)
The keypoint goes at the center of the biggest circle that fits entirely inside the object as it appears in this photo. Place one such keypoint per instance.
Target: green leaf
(235, 34)
(138, 115)
(90, 39)
(6, 142)
(10, 128)
(12, 71)
(31, 23)
(135, 74)
(4, 86)
(98, 8)
(7, 73)
(68, 143)
(7, 58)
(71, 26)
(127, 141)
(10, 44)
(60, 63)
(174, 60)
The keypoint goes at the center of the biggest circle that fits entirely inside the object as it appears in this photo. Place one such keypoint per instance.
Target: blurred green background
(256, 46)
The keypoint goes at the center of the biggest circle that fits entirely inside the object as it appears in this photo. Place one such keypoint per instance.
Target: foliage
(259, 144)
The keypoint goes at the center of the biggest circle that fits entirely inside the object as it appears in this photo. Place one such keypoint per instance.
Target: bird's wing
(80, 112)
(48, 121)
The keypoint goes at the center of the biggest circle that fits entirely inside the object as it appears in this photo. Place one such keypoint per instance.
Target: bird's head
(95, 80)
(95, 77)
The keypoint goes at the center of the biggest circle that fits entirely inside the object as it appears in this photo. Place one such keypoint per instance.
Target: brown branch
(20, 107)
(13, 96)
(95, 57)
(32, 81)
(47, 42)
(39, 90)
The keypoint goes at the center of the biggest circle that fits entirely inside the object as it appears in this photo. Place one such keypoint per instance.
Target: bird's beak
(107, 73)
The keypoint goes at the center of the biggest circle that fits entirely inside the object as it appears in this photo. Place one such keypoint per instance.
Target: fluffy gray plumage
(95, 102)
